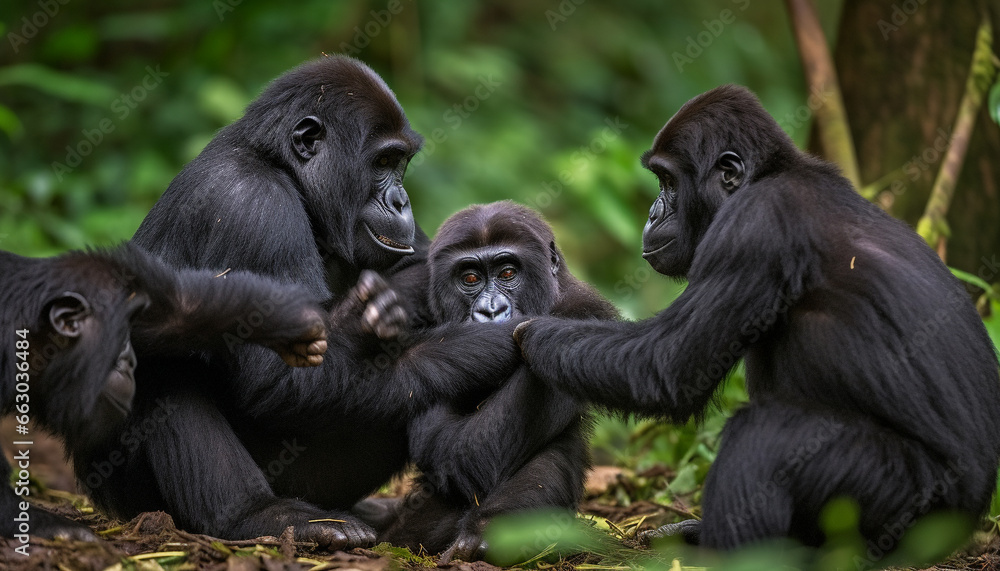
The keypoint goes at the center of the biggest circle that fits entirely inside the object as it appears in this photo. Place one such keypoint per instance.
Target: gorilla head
(494, 262)
(699, 165)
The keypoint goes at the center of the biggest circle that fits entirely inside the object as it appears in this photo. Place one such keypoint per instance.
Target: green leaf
(994, 102)
(10, 124)
(62, 85)
(970, 279)
(527, 538)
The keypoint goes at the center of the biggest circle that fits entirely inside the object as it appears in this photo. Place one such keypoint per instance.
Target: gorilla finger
(291, 359)
(398, 316)
(520, 330)
(369, 285)
(317, 347)
(306, 354)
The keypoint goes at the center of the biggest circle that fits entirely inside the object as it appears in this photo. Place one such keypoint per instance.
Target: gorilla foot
(467, 547)
(336, 533)
(379, 513)
(330, 530)
(689, 530)
(52, 526)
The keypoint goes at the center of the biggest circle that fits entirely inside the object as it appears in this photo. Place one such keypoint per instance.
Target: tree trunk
(903, 68)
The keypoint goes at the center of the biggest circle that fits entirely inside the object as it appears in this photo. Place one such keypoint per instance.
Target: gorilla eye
(667, 188)
(470, 279)
(383, 161)
(507, 274)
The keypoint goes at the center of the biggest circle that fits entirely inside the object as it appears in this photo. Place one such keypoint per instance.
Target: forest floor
(151, 542)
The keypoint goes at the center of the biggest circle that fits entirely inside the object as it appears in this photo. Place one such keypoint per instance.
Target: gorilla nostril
(495, 310)
(397, 198)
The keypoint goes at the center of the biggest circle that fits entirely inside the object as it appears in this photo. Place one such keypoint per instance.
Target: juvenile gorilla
(870, 373)
(307, 188)
(68, 328)
(524, 445)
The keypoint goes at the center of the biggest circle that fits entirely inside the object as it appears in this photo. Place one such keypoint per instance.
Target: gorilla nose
(496, 311)
(397, 199)
(656, 211)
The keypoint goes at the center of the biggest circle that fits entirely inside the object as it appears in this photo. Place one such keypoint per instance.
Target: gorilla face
(494, 262)
(489, 279)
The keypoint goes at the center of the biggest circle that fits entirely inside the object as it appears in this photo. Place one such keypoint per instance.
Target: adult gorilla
(305, 188)
(869, 372)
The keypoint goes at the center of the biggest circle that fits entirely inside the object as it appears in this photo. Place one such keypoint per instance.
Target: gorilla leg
(426, 518)
(551, 479)
(233, 499)
(779, 465)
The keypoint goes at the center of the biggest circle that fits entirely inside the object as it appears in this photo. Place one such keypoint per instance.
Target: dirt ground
(151, 542)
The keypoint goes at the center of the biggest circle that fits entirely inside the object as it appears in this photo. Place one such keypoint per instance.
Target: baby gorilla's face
(489, 281)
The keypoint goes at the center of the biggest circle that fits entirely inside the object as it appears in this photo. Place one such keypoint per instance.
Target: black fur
(870, 373)
(296, 190)
(524, 445)
(83, 312)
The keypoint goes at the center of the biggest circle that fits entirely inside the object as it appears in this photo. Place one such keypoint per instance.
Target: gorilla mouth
(117, 401)
(388, 243)
(646, 254)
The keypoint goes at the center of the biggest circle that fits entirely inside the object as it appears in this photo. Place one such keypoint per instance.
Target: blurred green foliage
(574, 93)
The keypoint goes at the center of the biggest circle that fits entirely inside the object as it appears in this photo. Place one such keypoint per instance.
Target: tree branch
(933, 225)
(831, 117)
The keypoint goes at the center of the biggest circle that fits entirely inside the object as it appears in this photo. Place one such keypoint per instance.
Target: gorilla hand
(380, 309)
(308, 348)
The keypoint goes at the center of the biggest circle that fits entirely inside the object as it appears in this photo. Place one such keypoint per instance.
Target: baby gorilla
(68, 327)
(523, 446)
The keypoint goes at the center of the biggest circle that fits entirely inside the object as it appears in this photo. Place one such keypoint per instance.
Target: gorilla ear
(732, 169)
(555, 258)
(306, 134)
(67, 313)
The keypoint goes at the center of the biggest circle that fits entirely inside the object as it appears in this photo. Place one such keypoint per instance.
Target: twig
(831, 117)
(932, 225)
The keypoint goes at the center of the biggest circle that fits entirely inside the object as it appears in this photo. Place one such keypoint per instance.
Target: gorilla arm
(670, 365)
(404, 374)
(190, 310)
